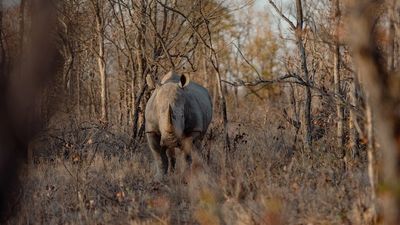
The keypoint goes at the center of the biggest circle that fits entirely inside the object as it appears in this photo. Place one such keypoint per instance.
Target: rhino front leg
(171, 160)
(197, 143)
(187, 146)
(159, 154)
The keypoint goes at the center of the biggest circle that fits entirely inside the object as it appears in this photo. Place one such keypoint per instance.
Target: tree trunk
(392, 6)
(307, 118)
(141, 60)
(338, 94)
(223, 111)
(130, 98)
(101, 61)
(78, 91)
(121, 92)
(353, 134)
(92, 106)
(371, 155)
(215, 96)
(337, 84)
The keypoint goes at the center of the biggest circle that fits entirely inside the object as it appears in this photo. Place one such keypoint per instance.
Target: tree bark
(101, 63)
(392, 6)
(139, 78)
(337, 80)
(223, 110)
(338, 94)
(78, 91)
(371, 155)
(353, 134)
(307, 118)
(130, 98)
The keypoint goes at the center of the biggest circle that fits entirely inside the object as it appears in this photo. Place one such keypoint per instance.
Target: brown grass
(259, 182)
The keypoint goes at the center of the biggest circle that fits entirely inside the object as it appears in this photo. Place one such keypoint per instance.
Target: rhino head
(171, 103)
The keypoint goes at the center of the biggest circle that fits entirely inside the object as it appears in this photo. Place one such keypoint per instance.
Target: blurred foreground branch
(19, 93)
(384, 100)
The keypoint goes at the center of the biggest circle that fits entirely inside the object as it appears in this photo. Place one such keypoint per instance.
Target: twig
(247, 61)
(291, 24)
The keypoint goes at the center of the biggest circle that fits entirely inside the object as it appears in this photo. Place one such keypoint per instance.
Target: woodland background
(305, 96)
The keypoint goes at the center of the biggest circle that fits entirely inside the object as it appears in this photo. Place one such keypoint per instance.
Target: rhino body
(177, 116)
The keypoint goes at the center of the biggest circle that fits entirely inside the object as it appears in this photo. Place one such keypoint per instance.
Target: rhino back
(198, 108)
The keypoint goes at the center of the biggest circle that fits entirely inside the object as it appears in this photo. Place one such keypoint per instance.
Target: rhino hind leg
(159, 153)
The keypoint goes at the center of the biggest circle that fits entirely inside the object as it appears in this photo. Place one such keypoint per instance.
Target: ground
(265, 178)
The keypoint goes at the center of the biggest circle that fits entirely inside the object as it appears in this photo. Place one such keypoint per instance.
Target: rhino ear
(167, 77)
(184, 81)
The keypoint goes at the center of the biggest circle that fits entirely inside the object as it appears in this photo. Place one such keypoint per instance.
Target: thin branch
(295, 79)
(247, 61)
(291, 24)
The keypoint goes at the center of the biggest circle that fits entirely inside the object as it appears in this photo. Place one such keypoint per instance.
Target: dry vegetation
(263, 180)
(297, 95)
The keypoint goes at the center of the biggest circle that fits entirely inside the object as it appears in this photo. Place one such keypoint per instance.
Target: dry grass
(264, 180)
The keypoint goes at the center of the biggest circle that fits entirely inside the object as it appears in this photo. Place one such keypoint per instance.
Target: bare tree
(337, 77)
(299, 31)
(353, 117)
(98, 7)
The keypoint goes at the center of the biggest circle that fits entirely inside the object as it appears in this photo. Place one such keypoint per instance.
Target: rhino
(177, 115)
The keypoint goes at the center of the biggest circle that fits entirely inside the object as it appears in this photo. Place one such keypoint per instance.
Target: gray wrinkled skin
(177, 115)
